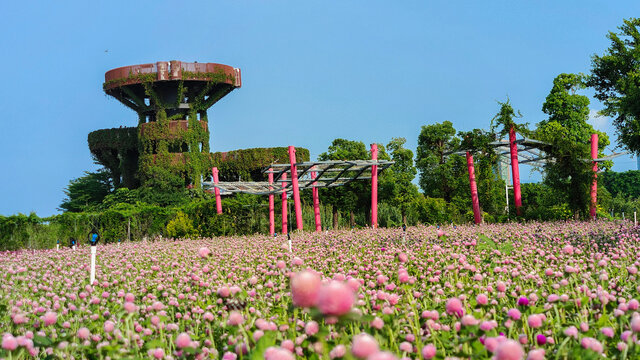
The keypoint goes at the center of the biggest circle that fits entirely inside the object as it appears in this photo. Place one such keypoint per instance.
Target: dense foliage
(569, 137)
(615, 76)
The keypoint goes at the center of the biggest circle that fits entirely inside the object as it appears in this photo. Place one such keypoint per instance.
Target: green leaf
(267, 340)
(41, 341)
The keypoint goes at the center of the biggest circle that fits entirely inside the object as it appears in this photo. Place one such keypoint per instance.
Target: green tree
(626, 183)
(490, 185)
(441, 171)
(504, 120)
(615, 76)
(88, 191)
(181, 226)
(569, 135)
(397, 187)
(354, 195)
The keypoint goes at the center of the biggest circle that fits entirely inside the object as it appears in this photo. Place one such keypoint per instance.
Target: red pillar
(374, 187)
(272, 225)
(284, 205)
(515, 170)
(316, 204)
(296, 190)
(214, 171)
(594, 184)
(477, 217)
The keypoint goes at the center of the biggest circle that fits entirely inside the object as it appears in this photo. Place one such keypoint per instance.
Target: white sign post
(93, 265)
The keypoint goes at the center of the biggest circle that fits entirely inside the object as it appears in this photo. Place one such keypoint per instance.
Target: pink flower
(482, 299)
(377, 323)
(537, 354)
(491, 343)
(338, 351)
(635, 324)
(509, 350)
(571, 331)
(84, 333)
(129, 307)
(109, 326)
(364, 345)
(224, 292)
(235, 318)
(429, 351)
(311, 328)
(469, 320)
(9, 342)
(541, 339)
(305, 288)
(158, 353)
(183, 340)
(335, 298)
(297, 261)
(402, 257)
(382, 355)
(274, 353)
(515, 314)
(534, 321)
(204, 252)
(406, 347)
(568, 249)
(607, 331)
(50, 318)
(454, 307)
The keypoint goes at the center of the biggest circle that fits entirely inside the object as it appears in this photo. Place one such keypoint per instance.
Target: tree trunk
(335, 218)
(352, 219)
(404, 218)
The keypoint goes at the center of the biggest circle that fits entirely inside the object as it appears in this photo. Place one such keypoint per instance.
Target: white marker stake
(93, 265)
(73, 247)
(290, 246)
(57, 246)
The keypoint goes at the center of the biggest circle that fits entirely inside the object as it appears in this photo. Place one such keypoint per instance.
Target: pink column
(374, 187)
(477, 217)
(316, 204)
(272, 225)
(284, 205)
(296, 190)
(217, 191)
(594, 184)
(515, 170)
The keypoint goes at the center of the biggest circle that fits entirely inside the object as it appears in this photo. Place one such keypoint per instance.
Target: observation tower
(170, 145)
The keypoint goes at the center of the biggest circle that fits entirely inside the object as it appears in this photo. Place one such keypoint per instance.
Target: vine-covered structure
(170, 145)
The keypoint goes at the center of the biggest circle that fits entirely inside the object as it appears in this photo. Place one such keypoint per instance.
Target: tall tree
(88, 191)
(615, 76)
(440, 169)
(569, 136)
(490, 185)
(354, 195)
(397, 187)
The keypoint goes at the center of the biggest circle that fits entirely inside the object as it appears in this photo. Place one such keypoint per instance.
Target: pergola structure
(289, 179)
(533, 152)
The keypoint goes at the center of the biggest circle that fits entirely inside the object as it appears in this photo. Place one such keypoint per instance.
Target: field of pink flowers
(517, 291)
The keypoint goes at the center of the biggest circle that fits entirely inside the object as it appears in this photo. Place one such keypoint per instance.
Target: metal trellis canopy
(328, 174)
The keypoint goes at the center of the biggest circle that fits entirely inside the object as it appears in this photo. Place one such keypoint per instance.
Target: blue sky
(312, 71)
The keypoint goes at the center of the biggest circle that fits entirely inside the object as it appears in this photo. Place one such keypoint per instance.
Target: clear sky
(312, 71)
